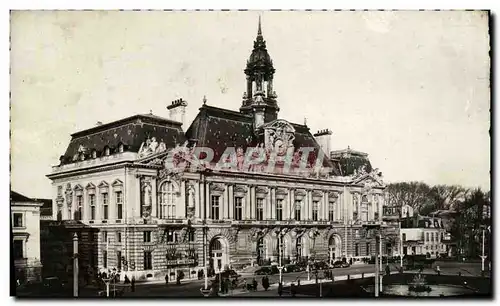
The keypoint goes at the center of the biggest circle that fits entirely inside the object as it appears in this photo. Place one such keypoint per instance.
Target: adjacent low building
(25, 231)
(422, 235)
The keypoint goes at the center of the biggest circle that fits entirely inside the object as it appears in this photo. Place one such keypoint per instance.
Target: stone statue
(153, 145)
(162, 147)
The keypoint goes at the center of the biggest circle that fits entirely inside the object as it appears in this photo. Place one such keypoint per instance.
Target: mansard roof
(131, 132)
(219, 128)
(351, 161)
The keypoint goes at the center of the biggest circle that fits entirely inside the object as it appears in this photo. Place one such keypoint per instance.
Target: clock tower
(259, 100)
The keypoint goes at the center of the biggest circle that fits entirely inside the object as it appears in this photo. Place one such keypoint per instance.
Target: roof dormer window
(120, 148)
(82, 156)
(106, 151)
(94, 153)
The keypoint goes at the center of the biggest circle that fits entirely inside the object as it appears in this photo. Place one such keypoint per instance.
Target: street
(192, 288)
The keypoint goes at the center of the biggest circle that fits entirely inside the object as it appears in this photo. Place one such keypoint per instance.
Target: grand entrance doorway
(218, 255)
(334, 248)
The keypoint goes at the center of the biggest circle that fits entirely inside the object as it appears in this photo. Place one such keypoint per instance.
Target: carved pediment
(317, 194)
(78, 187)
(278, 136)
(261, 190)
(103, 184)
(281, 191)
(117, 182)
(333, 196)
(90, 186)
(300, 192)
(240, 189)
(217, 187)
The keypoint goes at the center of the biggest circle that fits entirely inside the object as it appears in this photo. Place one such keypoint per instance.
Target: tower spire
(259, 31)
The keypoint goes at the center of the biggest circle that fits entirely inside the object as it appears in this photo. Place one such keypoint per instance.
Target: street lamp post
(110, 275)
(376, 226)
(75, 265)
(381, 252)
(280, 264)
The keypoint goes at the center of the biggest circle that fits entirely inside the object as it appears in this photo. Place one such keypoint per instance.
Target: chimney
(323, 137)
(99, 123)
(177, 110)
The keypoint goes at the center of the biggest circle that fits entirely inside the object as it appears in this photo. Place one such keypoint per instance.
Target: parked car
(320, 265)
(231, 274)
(267, 270)
(290, 268)
(340, 264)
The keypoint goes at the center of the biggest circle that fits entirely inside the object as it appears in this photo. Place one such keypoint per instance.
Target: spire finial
(150, 111)
(204, 99)
(259, 32)
(305, 121)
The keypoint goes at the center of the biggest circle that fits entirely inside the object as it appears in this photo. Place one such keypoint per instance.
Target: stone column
(326, 205)
(198, 191)
(247, 205)
(253, 207)
(222, 204)
(207, 203)
(154, 200)
(181, 210)
(231, 201)
(310, 204)
(271, 202)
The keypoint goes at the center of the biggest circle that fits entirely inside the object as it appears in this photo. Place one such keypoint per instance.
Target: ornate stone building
(164, 199)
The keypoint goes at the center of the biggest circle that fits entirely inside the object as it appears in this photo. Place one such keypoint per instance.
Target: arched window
(261, 251)
(167, 200)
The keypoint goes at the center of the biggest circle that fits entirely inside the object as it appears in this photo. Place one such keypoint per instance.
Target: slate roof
(131, 132)
(17, 197)
(350, 160)
(219, 128)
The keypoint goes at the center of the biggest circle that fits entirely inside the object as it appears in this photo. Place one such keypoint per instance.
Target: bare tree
(414, 194)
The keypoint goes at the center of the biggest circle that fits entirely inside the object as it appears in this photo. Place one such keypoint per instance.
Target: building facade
(422, 235)
(236, 188)
(25, 226)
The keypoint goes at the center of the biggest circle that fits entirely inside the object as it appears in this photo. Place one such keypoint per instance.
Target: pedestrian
(387, 270)
(298, 283)
(438, 270)
(255, 284)
(280, 289)
(127, 280)
(293, 290)
(18, 282)
(245, 285)
(132, 284)
(166, 279)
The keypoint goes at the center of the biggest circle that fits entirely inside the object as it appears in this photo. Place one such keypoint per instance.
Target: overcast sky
(411, 89)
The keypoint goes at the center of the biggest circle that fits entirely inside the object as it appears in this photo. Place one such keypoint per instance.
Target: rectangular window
(119, 259)
(260, 209)
(356, 234)
(279, 209)
(404, 237)
(92, 206)
(356, 249)
(238, 208)
(315, 210)
(297, 210)
(105, 237)
(119, 237)
(105, 206)
(191, 236)
(119, 205)
(367, 248)
(214, 208)
(170, 236)
(148, 260)
(79, 207)
(331, 211)
(105, 259)
(427, 237)
(18, 249)
(18, 220)
(147, 236)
